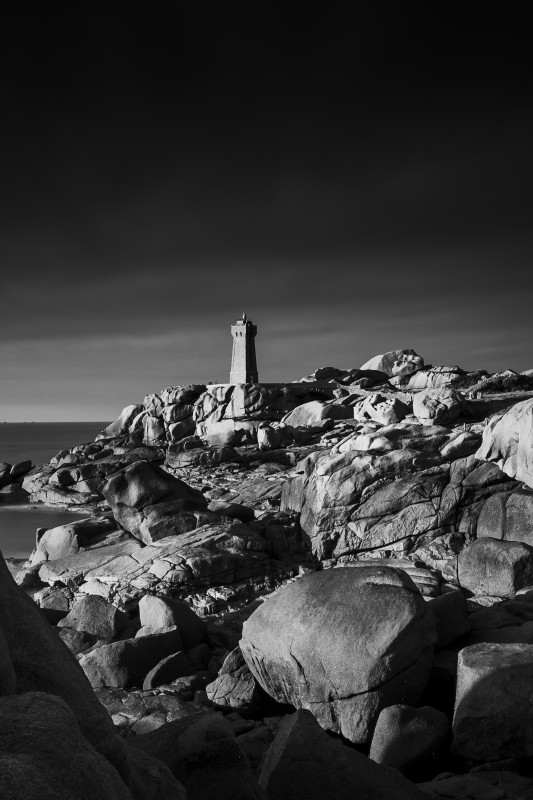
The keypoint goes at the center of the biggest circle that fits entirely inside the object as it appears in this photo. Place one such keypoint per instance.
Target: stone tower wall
(243, 359)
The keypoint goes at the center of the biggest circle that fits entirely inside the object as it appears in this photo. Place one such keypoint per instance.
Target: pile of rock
(305, 567)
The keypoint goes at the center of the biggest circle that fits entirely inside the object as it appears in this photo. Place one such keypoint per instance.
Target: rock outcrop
(508, 442)
(396, 362)
(351, 545)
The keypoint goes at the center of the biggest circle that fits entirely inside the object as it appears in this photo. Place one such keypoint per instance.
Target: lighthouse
(243, 360)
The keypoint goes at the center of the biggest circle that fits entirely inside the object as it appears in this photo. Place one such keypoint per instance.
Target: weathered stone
(489, 566)
(200, 457)
(232, 510)
(177, 431)
(203, 754)
(338, 517)
(304, 763)
(63, 477)
(54, 603)
(64, 498)
(137, 496)
(427, 581)
(223, 433)
(508, 442)
(396, 362)
(437, 405)
(66, 540)
(382, 408)
(354, 502)
(153, 404)
(236, 687)
(299, 644)
(95, 616)
(19, 469)
(314, 413)
(165, 613)
(508, 516)
(42, 662)
(37, 478)
(127, 662)
(413, 740)
(43, 754)
(261, 492)
(165, 519)
(122, 424)
(460, 445)
(492, 718)
(182, 395)
(72, 569)
(153, 430)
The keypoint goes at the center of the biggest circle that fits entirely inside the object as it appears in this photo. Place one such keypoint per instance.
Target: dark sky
(355, 176)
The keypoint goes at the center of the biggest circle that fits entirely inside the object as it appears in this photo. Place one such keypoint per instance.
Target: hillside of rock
(266, 572)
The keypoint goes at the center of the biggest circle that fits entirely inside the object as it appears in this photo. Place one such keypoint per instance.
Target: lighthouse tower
(243, 361)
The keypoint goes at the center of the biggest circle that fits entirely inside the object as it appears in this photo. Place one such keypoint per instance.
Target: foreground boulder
(202, 753)
(304, 763)
(492, 718)
(43, 754)
(489, 566)
(413, 740)
(343, 643)
(508, 442)
(42, 662)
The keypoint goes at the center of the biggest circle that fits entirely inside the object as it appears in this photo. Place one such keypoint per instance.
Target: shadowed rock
(203, 754)
(492, 718)
(304, 763)
(413, 740)
(43, 754)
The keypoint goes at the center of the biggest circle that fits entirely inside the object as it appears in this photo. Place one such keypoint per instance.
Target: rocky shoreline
(285, 589)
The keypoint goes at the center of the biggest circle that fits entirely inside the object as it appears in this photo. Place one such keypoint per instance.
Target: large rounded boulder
(343, 643)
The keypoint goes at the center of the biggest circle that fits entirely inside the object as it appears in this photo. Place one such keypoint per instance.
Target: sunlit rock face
(508, 442)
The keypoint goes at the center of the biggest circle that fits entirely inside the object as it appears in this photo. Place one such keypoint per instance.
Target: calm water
(39, 441)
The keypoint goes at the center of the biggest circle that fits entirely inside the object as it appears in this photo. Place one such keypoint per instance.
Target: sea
(38, 441)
